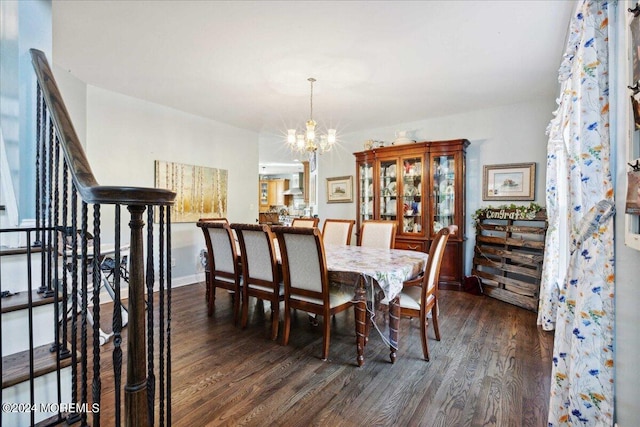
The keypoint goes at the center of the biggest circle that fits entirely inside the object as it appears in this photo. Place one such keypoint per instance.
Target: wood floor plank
(491, 368)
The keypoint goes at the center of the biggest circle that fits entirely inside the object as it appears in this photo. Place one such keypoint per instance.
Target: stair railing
(70, 209)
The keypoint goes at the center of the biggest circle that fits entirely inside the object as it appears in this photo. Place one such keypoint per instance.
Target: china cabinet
(420, 186)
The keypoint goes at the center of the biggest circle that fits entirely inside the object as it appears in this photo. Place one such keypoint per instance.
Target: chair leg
(423, 336)
(326, 335)
(287, 325)
(275, 318)
(207, 286)
(237, 303)
(244, 311)
(434, 317)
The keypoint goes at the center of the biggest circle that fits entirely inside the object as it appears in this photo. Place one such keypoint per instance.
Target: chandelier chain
(311, 79)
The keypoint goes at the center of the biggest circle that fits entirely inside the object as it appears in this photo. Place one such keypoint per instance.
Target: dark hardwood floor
(491, 368)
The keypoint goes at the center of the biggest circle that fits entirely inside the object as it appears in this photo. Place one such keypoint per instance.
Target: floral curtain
(580, 306)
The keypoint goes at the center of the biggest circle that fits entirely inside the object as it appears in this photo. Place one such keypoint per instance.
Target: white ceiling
(377, 63)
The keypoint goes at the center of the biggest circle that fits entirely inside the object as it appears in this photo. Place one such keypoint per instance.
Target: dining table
(370, 270)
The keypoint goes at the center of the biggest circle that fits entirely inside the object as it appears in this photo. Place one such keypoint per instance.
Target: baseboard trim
(187, 280)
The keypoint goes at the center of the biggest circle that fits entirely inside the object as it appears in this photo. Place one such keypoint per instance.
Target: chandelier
(309, 142)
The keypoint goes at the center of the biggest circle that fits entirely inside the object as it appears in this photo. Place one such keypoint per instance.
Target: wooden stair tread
(20, 301)
(15, 367)
(52, 420)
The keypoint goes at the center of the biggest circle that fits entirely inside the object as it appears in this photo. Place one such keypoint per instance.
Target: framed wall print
(340, 189)
(632, 66)
(515, 181)
(201, 192)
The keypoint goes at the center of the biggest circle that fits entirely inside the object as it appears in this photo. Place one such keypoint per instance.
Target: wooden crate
(508, 255)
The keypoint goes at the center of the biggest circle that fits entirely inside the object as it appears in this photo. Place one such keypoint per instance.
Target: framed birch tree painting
(201, 192)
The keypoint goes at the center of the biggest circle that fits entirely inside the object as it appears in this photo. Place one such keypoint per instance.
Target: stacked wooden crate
(508, 254)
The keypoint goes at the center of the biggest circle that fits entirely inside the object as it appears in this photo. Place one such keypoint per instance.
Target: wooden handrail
(88, 188)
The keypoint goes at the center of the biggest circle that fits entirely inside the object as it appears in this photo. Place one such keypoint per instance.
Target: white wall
(74, 94)
(627, 260)
(124, 137)
(510, 134)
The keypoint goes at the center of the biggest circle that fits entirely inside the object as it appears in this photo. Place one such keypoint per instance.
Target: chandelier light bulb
(331, 136)
(311, 130)
(291, 136)
(323, 143)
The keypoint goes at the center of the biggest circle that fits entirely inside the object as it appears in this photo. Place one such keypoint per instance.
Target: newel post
(135, 390)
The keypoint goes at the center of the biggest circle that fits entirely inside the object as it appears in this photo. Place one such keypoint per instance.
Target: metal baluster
(84, 310)
(151, 379)
(161, 263)
(1, 349)
(74, 417)
(62, 246)
(30, 320)
(49, 206)
(57, 345)
(42, 198)
(117, 323)
(96, 387)
(168, 316)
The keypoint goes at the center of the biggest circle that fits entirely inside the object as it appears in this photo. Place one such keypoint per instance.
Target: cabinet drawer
(412, 245)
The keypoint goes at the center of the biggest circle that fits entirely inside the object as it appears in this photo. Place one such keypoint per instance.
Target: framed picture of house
(515, 181)
(340, 189)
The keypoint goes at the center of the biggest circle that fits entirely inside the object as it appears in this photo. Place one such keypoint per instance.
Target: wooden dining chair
(377, 234)
(306, 280)
(420, 301)
(203, 253)
(337, 231)
(417, 281)
(305, 222)
(260, 272)
(222, 270)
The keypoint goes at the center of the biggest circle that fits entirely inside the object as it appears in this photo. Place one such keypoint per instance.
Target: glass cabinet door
(264, 193)
(388, 190)
(444, 191)
(411, 201)
(366, 191)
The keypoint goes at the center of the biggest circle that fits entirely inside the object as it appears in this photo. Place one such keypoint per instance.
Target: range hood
(295, 185)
